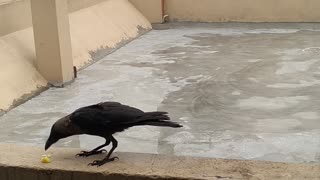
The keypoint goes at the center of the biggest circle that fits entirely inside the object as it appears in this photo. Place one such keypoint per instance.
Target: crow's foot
(90, 153)
(102, 162)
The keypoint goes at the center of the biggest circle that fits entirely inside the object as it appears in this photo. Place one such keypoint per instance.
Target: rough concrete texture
(23, 163)
(98, 28)
(242, 91)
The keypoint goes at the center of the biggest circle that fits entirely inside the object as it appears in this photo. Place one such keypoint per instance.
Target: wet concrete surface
(242, 91)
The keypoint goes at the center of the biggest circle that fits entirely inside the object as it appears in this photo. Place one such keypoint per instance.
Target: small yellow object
(46, 158)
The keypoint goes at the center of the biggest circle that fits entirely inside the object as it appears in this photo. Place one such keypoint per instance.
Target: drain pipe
(164, 16)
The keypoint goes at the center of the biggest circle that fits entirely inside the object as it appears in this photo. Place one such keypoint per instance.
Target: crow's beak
(49, 142)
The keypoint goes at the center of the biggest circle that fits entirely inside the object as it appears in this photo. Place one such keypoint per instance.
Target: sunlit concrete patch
(180, 138)
(273, 31)
(276, 125)
(266, 146)
(253, 79)
(293, 67)
(244, 92)
(312, 49)
(254, 60)
(271, 103)
(236, 93)
(206, 52)
(302, 83)
(307, 115)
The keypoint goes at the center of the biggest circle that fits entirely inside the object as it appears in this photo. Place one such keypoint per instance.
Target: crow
(105, 119)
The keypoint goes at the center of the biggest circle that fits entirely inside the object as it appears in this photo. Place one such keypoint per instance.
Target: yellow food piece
(46, 159)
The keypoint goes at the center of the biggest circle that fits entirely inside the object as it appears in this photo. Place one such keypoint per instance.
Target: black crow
(104, 119)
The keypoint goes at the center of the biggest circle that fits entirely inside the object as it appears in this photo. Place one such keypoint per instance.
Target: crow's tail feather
(159, 123)
(156, 119)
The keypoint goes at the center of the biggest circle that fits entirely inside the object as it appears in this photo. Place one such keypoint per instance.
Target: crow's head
(60, 129)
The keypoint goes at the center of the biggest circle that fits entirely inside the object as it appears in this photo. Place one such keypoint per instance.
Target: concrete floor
(243, 91)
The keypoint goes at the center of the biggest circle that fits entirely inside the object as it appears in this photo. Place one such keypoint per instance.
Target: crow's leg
(107, 158)
(94, 151)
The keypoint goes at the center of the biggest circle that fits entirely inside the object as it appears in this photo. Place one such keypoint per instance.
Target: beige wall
(151, 9)
(75, 5)
(232, 10)
(97, 28)
(103, 26)
(15, 15)
(244, 10)
(18, 75)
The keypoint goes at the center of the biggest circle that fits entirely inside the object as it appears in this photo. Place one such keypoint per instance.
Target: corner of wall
(95, 31)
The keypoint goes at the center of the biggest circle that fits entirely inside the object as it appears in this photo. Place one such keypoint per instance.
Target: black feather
(111, 117)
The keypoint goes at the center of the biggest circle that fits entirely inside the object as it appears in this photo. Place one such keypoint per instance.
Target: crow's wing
(107, 116)
(108, 106)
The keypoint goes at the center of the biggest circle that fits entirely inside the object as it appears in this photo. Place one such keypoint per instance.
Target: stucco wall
(18, 75)
(94, 30)
(244, 10)
(232, 10)
(151, 9)
(15, 15)
(115, 21)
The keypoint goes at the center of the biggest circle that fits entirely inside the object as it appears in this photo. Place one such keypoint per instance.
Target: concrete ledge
(22, 163)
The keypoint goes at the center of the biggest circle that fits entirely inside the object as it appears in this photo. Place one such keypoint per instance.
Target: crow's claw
(102, 162)
(90, 153)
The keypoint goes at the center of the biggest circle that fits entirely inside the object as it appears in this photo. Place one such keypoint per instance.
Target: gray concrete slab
(242, 91)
